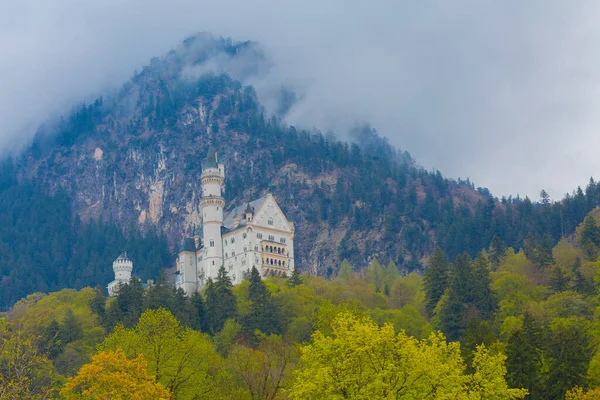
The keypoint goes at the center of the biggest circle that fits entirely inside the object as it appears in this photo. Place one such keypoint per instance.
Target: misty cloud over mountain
(504, 93)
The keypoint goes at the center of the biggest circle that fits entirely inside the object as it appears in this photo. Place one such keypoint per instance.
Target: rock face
(136, 158)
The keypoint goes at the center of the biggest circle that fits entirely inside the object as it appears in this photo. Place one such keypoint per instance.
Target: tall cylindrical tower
(122, 267)
(212, 204)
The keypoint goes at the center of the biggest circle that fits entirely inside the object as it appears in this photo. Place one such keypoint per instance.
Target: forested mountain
(132, 160)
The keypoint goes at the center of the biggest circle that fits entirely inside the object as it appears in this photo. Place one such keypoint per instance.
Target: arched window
(212, 243)
(225, 242)
(244, 235)
(255, 248)
(270, 222)
(232, 240)
(232, 253)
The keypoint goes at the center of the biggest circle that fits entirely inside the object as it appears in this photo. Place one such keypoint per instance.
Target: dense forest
(45, 247)
(409, 285)
(501, 325)
(133, 159)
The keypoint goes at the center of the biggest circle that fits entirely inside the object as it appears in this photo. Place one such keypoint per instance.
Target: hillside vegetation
(502, 325)
(123, 173)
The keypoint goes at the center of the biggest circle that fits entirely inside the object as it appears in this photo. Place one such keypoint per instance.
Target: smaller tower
(122, 267)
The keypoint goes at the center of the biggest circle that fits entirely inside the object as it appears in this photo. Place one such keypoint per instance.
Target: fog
(504, 93)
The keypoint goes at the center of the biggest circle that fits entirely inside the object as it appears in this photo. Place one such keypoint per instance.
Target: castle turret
(212, 204)
(187, 267)
(122, 268)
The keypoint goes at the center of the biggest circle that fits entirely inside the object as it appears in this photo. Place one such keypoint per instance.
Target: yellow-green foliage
(408, 291)
(361, 360)
(111, 375)
(514, 292)
(181, 359)
(37, 310)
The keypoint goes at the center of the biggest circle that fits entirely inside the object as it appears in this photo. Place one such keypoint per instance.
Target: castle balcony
(267, 270)
(275, 248)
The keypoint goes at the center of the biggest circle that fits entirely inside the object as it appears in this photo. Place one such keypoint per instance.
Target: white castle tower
(122, 267)
(212, 204)
(254, 234)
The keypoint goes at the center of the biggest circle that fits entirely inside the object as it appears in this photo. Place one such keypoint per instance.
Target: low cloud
(504, 93)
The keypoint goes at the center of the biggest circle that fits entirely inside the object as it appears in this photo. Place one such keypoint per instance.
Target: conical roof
(188, 245)
(123, 256)
(211, 159)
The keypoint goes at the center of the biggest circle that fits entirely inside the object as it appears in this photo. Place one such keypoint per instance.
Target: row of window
(274, 249)
(277, 263)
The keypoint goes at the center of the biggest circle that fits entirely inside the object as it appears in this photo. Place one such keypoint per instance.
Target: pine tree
(346, 271)
(570, 350)
(295, 279)
(376, 274)
(590, 232)
(436, 278)
(265, 314)
(98, 302)
(559, 281)
(581, 283)
(198, 303)
(524, 357)
(70, 329)
(221, 303)
(160, 295)
(544, 257)
(452, 316)
(497, 251)
(483, 298)
(130, 301)
(50, 342)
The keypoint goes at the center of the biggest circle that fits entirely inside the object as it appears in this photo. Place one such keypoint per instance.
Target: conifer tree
(524, 357)
(50, 342)
(483, 298)
(221, 303)
(346, 271)
(436, 278)
(200, 310)
(497, 251)
(130, 301)
(70, 329)
(581, 283)
(376, 274)
(265, 314)
(295, 279)
(569, 350)
(391, 273)
(590, 232)
(461, 294)
(544, 257)
(160, 295)
(559, 281)
(98, 302)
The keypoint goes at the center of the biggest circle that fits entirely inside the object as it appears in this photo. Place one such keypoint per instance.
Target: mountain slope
(134, 158)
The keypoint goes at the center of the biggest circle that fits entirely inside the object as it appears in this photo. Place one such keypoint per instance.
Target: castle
(122, 268)
(255, 234)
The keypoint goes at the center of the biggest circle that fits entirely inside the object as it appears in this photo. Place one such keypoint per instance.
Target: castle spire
(211, 159)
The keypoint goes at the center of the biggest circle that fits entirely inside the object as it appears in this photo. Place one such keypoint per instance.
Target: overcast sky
(506, 93)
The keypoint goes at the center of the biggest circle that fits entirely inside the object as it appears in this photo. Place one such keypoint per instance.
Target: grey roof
(256, 204)
(200, 232)
(123, 256)
(188, 245)
(211, 159)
